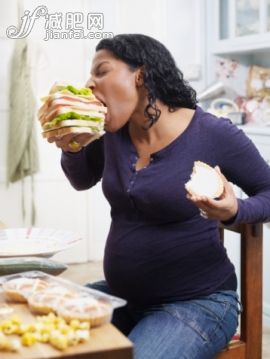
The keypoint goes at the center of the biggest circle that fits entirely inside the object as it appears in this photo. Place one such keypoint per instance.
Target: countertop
(256, 130)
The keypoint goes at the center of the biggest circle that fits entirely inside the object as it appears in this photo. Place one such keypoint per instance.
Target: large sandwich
(68, 109)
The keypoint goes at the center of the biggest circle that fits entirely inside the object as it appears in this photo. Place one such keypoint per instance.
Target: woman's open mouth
(100, 100)
(107, 117)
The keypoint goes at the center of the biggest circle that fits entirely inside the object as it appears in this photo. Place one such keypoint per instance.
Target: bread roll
(46, 301)
(95, 311)
(19, 289)
(204, 181)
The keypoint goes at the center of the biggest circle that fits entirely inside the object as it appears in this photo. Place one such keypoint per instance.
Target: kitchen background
(223, 49)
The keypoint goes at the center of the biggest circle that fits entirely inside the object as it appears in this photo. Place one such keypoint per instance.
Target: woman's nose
(90, 84)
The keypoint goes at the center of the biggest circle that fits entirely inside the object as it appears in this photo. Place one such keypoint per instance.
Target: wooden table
(106, 342)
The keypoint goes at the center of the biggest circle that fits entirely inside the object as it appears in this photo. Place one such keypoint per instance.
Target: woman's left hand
(221, 209)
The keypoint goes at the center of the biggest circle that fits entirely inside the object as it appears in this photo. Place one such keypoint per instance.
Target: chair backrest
(250, 344)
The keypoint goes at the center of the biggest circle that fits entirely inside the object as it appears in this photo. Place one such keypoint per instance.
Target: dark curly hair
(162, 78)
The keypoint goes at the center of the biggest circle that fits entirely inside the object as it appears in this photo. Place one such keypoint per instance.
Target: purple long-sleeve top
(159, 249)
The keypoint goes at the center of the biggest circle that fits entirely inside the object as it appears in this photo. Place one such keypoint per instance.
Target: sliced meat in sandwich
(68, 109)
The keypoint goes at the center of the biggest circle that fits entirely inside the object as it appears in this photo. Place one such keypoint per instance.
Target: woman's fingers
(72, 142)
(228, 186)
(69, 144)
(203, 201)
(222, 208)
(84, 138)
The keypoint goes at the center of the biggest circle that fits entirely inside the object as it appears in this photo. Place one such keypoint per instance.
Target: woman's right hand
(72, 142)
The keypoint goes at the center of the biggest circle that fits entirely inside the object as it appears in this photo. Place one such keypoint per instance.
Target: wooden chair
(250, 344)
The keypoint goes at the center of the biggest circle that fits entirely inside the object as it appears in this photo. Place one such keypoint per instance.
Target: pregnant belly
(154, 269)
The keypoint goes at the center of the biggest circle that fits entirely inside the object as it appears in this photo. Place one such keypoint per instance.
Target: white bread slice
(75, 123)
(63, 131)
(204, 181)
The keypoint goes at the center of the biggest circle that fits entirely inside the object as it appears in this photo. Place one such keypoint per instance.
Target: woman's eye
(101, 72)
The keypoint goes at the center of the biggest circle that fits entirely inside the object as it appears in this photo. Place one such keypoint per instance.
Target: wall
(58, 205)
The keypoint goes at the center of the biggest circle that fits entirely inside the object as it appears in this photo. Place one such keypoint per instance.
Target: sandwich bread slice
(205, 181)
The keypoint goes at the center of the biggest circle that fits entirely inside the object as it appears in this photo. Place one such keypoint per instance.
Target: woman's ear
(139, 77)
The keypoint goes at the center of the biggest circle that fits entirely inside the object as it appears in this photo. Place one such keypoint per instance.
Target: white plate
(21, 242)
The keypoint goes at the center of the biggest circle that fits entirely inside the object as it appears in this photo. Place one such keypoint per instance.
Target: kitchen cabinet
(239, 26)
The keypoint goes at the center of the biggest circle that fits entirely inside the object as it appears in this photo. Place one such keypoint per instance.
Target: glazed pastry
(19, 289)
(86, 308)
(46, 301)
(58, 289)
